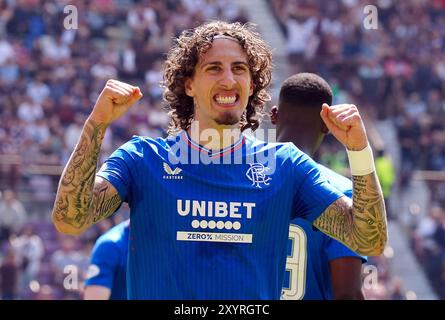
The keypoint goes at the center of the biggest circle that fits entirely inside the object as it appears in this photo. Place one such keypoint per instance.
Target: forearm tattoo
(79, 202)
(362, 226)
(106, 202)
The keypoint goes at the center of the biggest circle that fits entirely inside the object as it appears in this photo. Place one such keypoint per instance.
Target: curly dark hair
(184, 55)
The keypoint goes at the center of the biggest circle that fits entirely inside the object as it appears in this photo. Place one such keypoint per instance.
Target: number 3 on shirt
(296, 264)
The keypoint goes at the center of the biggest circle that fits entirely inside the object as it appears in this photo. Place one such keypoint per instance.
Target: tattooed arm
(362, 224)
(82, 198)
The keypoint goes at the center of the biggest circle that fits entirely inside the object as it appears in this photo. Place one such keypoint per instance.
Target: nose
(227, 79)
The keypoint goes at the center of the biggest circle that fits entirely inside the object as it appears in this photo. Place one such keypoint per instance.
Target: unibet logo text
(218, 209)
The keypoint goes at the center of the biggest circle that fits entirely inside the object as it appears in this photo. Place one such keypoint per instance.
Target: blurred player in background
(216, 228)
(318, 266)
(106, 278)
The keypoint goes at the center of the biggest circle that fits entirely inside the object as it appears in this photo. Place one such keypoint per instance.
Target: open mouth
(226, 100)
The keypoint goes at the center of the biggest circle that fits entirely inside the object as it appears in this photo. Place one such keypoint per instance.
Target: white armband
(361, 162)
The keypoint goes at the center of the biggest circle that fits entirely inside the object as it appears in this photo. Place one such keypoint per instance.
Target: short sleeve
(118, 169)
(335, 249)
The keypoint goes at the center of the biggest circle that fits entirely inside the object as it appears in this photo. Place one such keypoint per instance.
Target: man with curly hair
(213, 224)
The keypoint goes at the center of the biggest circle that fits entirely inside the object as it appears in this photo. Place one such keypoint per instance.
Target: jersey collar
(213, 153)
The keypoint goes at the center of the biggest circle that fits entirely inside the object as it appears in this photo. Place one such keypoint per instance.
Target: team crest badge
(257, 173)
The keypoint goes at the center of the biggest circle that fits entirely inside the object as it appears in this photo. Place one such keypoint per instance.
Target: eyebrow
(218, 63)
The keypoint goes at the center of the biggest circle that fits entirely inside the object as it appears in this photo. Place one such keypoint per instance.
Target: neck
(214, 137)
(307, 143)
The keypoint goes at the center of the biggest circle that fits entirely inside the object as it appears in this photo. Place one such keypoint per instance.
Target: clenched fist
(114, 100)
(346, 125)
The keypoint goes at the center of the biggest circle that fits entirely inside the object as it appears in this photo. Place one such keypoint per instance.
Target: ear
(188, 86)
(274, 115)
(251, 88)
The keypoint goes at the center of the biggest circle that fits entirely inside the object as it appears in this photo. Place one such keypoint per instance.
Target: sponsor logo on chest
(215, 215)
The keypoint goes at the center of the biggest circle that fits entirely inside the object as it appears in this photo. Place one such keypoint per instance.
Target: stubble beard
(228, 119)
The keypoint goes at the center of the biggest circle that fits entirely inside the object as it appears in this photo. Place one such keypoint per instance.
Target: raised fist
(346, 125)
(114, 101)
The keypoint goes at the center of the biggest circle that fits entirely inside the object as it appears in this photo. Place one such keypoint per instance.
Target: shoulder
(284, 151)
(256, 141)
(141, 142)
(141, 146)
(337, 180)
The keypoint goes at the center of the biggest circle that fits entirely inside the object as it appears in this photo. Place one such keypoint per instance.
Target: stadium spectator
(68, 258)
(29, 250)
(12, 215)
(397, 291)
(46, 292)
(9, 275)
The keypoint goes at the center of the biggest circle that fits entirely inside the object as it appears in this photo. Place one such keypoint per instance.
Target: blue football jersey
(109, 261)
(212, 225)
(308, 274)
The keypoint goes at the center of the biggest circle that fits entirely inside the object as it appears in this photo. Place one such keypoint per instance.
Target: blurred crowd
(428, 242)
(397, 73)
(37, 262)
(50, 77)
